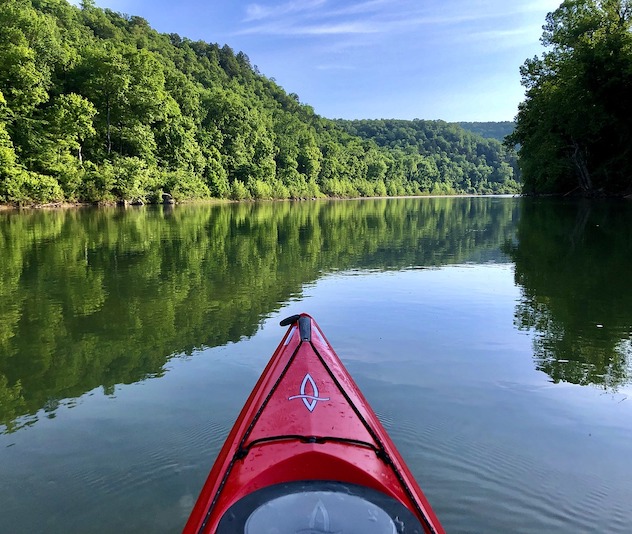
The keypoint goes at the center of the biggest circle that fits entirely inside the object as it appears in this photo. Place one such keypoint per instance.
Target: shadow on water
(94, 298)
(573, 262)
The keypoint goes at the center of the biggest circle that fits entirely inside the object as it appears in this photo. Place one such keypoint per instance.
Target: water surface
(492, 337)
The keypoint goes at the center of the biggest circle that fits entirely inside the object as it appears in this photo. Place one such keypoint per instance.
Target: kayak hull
(306, 420)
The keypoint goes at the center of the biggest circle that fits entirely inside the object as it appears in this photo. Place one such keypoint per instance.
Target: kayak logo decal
(309, 400)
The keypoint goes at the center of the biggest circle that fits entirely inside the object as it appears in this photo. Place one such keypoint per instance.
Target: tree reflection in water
(573, 261)
(98, 297)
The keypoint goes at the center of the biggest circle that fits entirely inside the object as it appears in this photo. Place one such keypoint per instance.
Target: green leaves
(101, 107)
(574, 126)
(24, 84)
(435, 157)
(71, 121)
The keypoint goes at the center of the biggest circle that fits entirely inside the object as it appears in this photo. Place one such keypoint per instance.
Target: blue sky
(456, 60)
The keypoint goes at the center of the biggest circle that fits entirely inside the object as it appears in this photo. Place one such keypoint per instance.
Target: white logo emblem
(309, 400)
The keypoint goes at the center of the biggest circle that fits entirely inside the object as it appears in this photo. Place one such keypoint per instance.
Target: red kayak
(308, 455)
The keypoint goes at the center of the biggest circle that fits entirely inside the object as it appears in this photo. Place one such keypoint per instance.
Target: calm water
(493, 337)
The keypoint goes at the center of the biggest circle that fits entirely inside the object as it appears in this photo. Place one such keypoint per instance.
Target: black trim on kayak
(243, 452)
(236, 517)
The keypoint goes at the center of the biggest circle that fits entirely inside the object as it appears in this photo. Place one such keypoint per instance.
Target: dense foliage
(98, 106)
(575, 126)
(441, 157)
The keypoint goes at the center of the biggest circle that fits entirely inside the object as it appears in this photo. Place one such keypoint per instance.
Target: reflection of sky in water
(460, 314)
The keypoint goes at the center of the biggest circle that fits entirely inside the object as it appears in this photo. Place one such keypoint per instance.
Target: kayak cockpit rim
(318, 506)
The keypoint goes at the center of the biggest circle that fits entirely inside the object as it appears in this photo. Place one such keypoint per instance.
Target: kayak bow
(307, 455)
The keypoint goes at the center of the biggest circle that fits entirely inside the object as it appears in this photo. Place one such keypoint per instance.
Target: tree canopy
(575, 126)
(440, 157)
(97, 106)
(493, 130)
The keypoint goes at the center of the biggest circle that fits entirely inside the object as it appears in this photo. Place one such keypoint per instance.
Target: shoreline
(97, 205)
(80, 205)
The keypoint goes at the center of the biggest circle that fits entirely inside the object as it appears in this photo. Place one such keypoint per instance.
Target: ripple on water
(512, 488)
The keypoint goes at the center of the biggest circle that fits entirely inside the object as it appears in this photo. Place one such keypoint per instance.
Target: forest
(96, 106)
(574, 128)
(443, 157)
(493, 130)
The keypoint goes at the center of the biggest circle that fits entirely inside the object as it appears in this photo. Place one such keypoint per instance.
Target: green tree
(104, 78)
(101, 107)
(8, 171)
(435, 156)
(71, 122)
(24, 73)
(575, 126)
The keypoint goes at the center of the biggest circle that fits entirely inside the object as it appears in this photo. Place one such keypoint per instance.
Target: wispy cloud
(318, 17)
(513, 36)
(363, 7)
(504, 33)
(538, 6)
(336, 67)
(261, 12)
(325, 28)
(295, 18)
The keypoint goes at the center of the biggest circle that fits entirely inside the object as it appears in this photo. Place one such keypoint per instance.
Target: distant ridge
(490, 130)
(444, 157)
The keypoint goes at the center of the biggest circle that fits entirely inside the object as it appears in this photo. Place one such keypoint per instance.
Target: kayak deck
(308, 440)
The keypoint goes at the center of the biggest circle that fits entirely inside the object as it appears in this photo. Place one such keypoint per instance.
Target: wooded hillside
(443, 157)
(97, 106)
(493, 130)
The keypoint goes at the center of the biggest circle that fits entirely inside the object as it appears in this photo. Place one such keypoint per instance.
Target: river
(492, 336)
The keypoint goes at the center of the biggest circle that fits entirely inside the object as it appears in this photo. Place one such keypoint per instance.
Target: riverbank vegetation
(442, 157)
(97, 106)
(575, 126)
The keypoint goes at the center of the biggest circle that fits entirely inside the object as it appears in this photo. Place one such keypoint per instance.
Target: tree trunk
(579, 160)
(109, 135)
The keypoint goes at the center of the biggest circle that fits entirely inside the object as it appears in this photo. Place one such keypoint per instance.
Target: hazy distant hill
(443, 157)
(491, 130)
